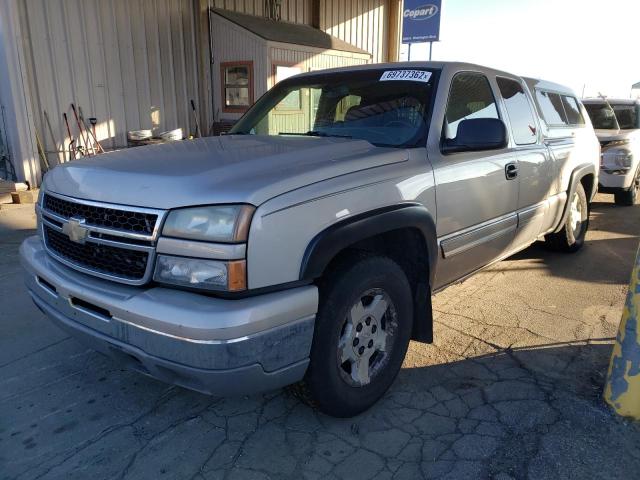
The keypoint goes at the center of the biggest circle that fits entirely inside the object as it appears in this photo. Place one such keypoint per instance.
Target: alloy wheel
(367, 337)
(576, 215)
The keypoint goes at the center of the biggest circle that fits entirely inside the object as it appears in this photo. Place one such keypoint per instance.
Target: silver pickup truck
(303, 248)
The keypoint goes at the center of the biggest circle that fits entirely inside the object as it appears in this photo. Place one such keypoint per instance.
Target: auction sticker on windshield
(413, 75)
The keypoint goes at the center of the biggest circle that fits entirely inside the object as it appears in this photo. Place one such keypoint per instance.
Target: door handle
(511, 171)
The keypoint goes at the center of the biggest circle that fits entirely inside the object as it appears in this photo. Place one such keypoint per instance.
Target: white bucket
(138, 135)
(172, 135)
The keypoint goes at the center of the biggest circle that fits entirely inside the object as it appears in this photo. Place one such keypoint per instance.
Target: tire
(355, 333)
(628, 198)
(571, 238)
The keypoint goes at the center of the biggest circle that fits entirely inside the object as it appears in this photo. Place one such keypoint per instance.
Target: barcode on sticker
(412, 75)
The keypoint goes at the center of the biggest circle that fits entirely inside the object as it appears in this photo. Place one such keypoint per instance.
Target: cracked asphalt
(511, 388)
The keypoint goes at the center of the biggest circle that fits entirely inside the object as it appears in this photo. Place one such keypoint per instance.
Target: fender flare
(341, 235)
(577, 174)
(331, 241)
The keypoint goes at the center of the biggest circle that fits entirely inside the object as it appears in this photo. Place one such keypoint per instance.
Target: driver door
(476, 191)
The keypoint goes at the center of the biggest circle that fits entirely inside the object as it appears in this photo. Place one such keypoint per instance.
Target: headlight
(199, 273)
(223, 223)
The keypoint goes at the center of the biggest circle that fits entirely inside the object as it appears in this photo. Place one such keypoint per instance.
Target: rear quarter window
(559, 110)
(573, 111)
(552, 108)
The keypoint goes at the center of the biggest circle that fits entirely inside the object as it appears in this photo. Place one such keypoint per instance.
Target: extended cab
(304, 247)
(617, 124)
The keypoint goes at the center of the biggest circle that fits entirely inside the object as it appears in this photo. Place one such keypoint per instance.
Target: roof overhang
(287, 32)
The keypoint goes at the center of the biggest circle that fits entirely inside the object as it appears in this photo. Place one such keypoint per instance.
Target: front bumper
(610, 183)
(212, 345)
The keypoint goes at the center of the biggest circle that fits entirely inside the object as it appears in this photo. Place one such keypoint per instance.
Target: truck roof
(537, 83)
(532, 82)
(396, 65)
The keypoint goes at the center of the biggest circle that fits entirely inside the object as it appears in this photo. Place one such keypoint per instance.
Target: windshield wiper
(315, 133)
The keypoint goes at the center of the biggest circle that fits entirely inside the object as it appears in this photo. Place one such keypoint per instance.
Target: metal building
(137, 64)
(253, 53)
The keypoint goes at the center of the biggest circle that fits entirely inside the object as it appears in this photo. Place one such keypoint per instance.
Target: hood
(213, 170)
(613, 135)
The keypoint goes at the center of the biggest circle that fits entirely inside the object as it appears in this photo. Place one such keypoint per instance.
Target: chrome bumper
(212, 345)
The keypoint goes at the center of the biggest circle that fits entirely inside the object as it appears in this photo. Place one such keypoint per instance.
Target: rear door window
(552, 108)
(470, 97)
(519, 111)
(572, 109)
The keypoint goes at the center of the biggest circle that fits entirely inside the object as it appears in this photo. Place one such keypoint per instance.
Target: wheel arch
(405, 232)
(584, 175)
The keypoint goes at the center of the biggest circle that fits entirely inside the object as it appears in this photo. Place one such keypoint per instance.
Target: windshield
(388, 108)
(627, 116)
(602, 116)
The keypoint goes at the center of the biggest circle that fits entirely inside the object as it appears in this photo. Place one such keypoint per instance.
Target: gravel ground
(511, 388)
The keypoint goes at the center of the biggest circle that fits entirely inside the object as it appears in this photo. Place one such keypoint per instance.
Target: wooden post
(315, 14)
(393, 30)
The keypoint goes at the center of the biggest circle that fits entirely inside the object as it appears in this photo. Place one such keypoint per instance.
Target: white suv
(617, 124)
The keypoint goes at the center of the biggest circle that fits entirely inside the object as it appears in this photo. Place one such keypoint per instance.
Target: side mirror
(477, 134)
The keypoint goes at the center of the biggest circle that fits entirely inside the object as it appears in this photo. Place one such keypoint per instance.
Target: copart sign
(421, 21)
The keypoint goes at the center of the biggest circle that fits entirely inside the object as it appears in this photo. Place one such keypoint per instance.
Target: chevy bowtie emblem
(75, 230)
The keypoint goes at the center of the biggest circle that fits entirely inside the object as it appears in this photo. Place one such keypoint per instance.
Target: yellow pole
(622, 390)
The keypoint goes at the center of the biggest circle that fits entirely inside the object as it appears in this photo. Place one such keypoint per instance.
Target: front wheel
(571, 238)
(361, 336)
(629, 197)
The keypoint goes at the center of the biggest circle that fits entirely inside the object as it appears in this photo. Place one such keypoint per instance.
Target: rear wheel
(361, 336)
(629, 197)
(571, 238)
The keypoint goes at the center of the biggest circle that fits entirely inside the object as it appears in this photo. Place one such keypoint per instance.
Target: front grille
(135, 222)
(105, 259)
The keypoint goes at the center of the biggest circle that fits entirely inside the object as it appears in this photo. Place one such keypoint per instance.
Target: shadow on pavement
(524, 413)
(605, 258)
(615, 219)
(533, 412)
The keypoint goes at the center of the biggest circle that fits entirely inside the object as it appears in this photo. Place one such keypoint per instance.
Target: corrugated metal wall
(136, 64)
(363, 23)
(295, 11)
(309, 58)
(129, 63)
